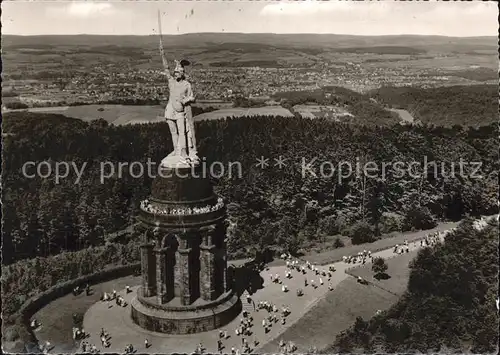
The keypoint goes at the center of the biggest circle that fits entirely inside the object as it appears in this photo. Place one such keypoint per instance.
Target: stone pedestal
(184, 287)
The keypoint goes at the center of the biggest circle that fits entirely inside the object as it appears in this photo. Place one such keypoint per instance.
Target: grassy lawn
(398, 270)
(132, 114)
(333, 314)
(116, 114)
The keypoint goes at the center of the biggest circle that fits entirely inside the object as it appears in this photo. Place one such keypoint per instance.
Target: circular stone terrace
(117, 321)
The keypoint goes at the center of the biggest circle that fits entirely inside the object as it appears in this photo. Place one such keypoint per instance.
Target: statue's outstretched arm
(165, 63)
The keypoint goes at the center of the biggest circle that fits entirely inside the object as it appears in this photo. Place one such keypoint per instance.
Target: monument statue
(186, 283)
(178, 114)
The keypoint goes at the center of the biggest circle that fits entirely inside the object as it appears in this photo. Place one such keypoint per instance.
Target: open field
(113, 114)
(97, 315)
(315, 111)
(213, 103)
(238, 112)
(310, 313)
(405, 116)
(101, 315)
(398, 270)
(132, 114)
(70, 304)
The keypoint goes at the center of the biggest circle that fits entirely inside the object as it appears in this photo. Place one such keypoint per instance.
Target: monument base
(173, 161)
(190, 319)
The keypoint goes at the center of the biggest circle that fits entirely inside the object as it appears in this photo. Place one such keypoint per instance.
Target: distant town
(108, 83)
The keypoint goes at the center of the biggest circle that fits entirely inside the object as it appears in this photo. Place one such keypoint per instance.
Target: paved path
(386, 242)
(117, 321)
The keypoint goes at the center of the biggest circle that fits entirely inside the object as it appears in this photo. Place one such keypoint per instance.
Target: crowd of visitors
(104, 336)
(360, 257)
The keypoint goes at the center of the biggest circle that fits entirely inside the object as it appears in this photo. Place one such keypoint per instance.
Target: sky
(309, 16)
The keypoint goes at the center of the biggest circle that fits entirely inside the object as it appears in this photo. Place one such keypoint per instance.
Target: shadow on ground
(382, 276)
(247, 277)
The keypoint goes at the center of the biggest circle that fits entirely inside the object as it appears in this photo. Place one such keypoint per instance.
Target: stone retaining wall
(21, 319)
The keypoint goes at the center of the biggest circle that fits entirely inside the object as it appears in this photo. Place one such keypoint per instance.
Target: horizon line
(242, 33)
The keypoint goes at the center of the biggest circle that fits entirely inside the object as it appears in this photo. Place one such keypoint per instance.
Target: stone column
(229, 277)
(170, 277)
(208, 288)
(225, 284)
(161, 275)
(182, 257)
(148, 270)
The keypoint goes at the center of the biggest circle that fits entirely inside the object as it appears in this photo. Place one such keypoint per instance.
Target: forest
(50, 227)
(473, 105)
(276, 208)
(449, 306)
(469, 105)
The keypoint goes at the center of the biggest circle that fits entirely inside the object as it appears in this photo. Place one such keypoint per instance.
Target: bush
(344, 222)
(379, 266)
(312, 350)
(294, 243)
(10, 333)
(77, 319)
(328, 225)
(16, 105)
(338, 243)
(391, 222)
(361, 232)
(419, 218)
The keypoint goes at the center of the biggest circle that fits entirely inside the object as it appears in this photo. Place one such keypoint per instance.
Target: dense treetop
(43, 218)
(473, 105)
